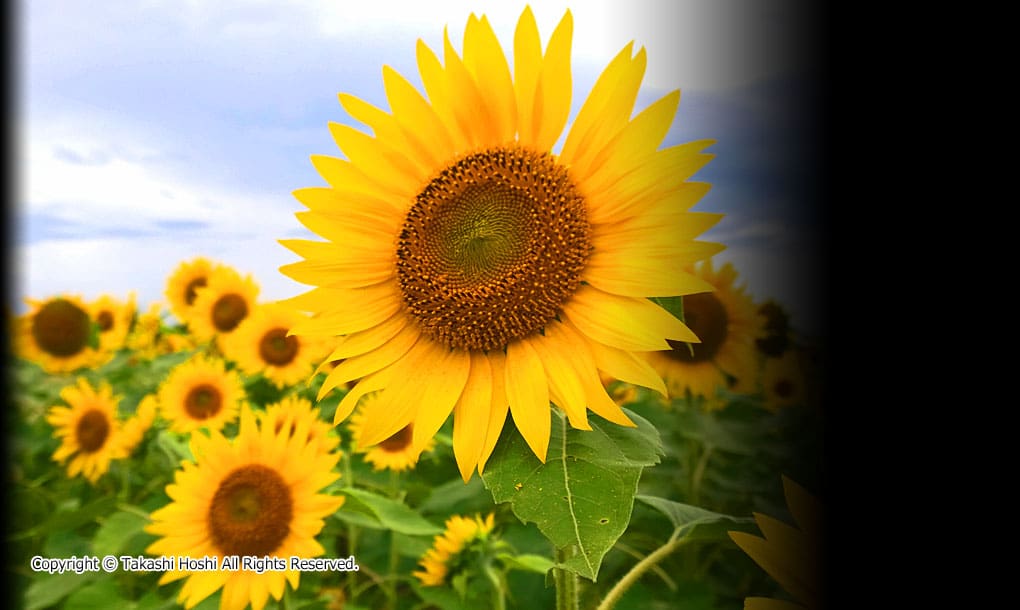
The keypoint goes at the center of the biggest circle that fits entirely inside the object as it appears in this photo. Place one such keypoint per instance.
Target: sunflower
(727, 323)
(56, 334)
(260, 344)
(395, 452)
(472, 270)
(222, 304)
(89, 429)
(135, 427)
(783, 381)
(183, 284)
(200, 392)
(294, 413)
(114, 320)
(459, 534)
(791, 555)
(255, 496)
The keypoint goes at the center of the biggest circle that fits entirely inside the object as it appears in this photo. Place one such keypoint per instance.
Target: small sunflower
(183, 284)
(144, 337)
(135, 427)
(200, 392)
(114, 319)
(222, 304)
(791, 555)
(293, 413)
(254, 496)
(473, 270)
(460, 532)
(396, 452)
(261, 344)
(56, 334)
(727, 323)
(88, 428)
(783, 381)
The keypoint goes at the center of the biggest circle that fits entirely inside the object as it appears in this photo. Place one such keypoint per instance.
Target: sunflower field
(518, 379)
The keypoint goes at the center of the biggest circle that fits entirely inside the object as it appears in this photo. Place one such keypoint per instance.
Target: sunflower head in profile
(200, 392)
(261, 344)
(114, 318)
(726, 323)
(296, 416)
(58, 335)
(134, 427)
(89, 430)
(183, 284)
(395, 452)
(255, 495)
(471, 270)
(450, 547)
(222, 304)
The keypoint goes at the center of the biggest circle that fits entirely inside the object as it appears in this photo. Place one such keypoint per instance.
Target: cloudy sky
(151, 132)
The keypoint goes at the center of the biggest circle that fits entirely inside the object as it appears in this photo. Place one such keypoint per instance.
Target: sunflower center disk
(192, 289)
(228, 311)
(706, 317)
(277, 348)
(399, 441)
(492, 248)
(784, 388)
(104, 320)
(250, 513)
(203, 401)
(61, 328)
(91, 431)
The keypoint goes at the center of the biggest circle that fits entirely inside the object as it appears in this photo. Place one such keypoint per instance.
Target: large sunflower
(727, 323)
(200, 392)
(293, 413)
(472, 270)
(255, 496)
(113, 317)
(183, 284)
(56, 334)
(396, 452)
(222, 304)
(89, 429)
(260, 344)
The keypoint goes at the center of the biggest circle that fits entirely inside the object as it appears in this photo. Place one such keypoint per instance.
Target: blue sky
(152, 132)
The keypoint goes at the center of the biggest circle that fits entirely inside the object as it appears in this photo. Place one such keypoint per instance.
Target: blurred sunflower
(56, 334)
(460, 533)
(783, 381)
(396, 452)
(791, 555)
(114, 318)
(144, 337)
(254, 496)
(200, 392)
(183, 284)
(297, 416)
(135, 427)
(222, 304)
(727, 323)
(472, 270)
(260, 344)
(89, 429)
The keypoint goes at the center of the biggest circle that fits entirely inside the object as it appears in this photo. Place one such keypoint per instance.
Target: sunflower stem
(567, 597)
(699, 473)
(637, 571)
(498, 595)
(352, 530)
(390, 585)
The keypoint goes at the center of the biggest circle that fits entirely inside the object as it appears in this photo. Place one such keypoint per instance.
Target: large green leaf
(694, 523)
(582, 496)
(116, 531)
(50, 589)
(384, 513)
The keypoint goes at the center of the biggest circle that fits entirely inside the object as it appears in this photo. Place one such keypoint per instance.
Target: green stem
(699, 473)
(498, 597)
(352, 530)
(567, 597)
(637, 571)
(391, 585)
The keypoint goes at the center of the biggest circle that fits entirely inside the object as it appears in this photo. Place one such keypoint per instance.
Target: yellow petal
(386, 354)
(585, 368)
(625, 366)
(528, 395)
(366, 341)
(564, 386)
(553, 89)
(471, 415)
(527, 64)
(446, 385)
(497, 408)
(805, 508)
(434, 78)
(641, 136)
(473, 117)
(356, 310)
(379, 160)
(624, 322)
(370, 383)
(417, 118)
(484, 59)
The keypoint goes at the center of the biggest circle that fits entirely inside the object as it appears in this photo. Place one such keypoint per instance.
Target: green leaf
(115, 533)
(100, 594)
(695, 523)
(450, 497)
(48, 590)
(528, 563)
(70, 516)
(389, 514)
(582, 496)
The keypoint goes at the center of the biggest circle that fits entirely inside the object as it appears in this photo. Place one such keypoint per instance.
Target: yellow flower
(396, 452)
(298, 417)
(114, 320)
(460, 532)
(222, 304)
(727, 323)
(200, 392)
(791, 555)
(255, 496)
(183, 284)
(260, 344)
(473, 271)
(135, 427)
(144, 337)
(88, 429)
(783, 381)
(55, 334)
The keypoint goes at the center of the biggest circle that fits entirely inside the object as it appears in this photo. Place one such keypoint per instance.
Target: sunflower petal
(484, 59)
(471, 415)
(553, 89)
(528, 395)
(624, 322)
